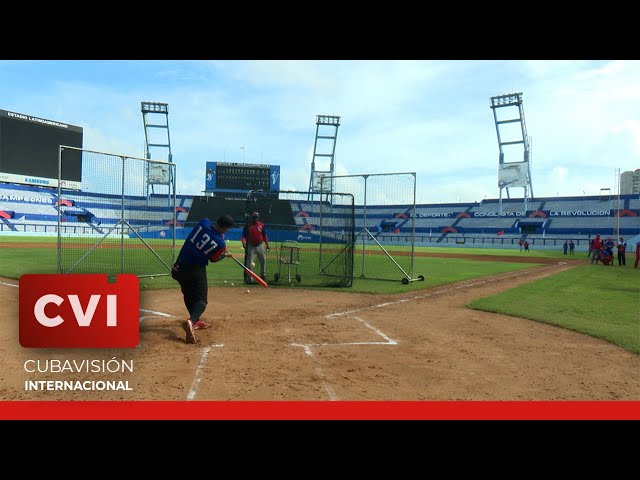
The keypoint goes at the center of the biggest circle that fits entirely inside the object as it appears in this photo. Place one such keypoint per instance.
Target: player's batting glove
(268, 249)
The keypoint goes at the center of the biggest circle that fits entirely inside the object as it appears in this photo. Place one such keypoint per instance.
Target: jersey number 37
(203, 242)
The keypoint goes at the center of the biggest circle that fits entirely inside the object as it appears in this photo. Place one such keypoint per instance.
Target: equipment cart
(289, 255)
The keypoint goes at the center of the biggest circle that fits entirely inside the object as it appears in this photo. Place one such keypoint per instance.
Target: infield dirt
(283, 344)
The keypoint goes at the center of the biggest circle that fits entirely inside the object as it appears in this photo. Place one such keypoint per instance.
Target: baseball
(151, 278)
(225, 281)
(253, 265)
(248, 291)
(232, 284)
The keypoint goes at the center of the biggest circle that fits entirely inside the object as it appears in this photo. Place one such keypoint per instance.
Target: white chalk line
(203, 358)
(307, 346)
(425, 295)
(142, 309)
(343, 344)
(156, 313)
(198, 376)
(316, 368)
(166, 315)
(307, 350)
(388, 341)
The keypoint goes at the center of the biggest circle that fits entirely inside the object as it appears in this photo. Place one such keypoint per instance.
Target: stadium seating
(546, 223)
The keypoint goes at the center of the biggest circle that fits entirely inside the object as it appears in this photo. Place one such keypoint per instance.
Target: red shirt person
(596, 247)
(254, 236)
(605, 258)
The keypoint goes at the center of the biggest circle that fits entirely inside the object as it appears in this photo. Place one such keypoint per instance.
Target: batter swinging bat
(250, 272)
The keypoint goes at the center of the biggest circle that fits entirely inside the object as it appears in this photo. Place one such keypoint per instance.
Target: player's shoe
(201, 325)
(187, 325)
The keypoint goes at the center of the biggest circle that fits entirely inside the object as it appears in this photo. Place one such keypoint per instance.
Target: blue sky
(431, 117)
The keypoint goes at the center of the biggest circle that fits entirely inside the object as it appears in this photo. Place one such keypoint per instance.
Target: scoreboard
(29, 149)
(241, 177)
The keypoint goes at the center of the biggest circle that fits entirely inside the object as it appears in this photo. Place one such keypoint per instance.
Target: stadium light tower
(315, 182)
(513, 174)
(160, 112)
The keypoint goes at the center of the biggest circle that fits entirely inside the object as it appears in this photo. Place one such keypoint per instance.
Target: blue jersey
(204, 243)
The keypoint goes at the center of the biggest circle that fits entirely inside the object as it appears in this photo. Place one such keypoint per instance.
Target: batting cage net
(117, 220)
(311, 241)
(385, 223)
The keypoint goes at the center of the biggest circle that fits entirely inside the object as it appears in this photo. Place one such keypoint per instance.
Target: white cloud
(560, 173)
(432, 117)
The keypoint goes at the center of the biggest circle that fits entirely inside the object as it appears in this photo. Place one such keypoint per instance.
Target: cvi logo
(78, 311)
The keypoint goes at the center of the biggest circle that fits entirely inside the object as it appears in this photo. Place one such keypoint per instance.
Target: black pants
(193, 282)
(622, 259)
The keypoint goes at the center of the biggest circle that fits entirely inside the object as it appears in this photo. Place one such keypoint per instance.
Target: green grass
(603, 302)
(502, 252)
(18, 261)
(67, 239)
(437, 271)
(13, 238)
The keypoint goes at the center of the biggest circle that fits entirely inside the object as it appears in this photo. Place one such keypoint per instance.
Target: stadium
(372, 296)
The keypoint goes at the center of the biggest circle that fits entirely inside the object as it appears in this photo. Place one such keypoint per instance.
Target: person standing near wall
(622, 247)
(635, 265)
(565, 247)
(255, 241)
(572, 248)
(596, 247)
(608, 245)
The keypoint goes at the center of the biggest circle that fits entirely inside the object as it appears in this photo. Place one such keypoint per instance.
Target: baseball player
(204, 244)
(254, 235)
(622, 246)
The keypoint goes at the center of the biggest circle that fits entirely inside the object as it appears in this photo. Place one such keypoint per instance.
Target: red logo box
(79, 311)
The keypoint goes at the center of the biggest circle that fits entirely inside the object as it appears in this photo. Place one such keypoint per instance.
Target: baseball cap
(226, 221)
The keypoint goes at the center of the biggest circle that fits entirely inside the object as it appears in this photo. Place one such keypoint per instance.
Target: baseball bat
(244, 261)
(252, 273)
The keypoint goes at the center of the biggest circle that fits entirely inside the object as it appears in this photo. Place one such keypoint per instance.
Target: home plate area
(292, 368)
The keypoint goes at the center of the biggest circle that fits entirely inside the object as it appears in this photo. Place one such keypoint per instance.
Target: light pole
(618, 213)
(242, 148)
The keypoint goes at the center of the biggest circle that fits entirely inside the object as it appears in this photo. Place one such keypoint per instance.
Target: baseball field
(484, 325)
